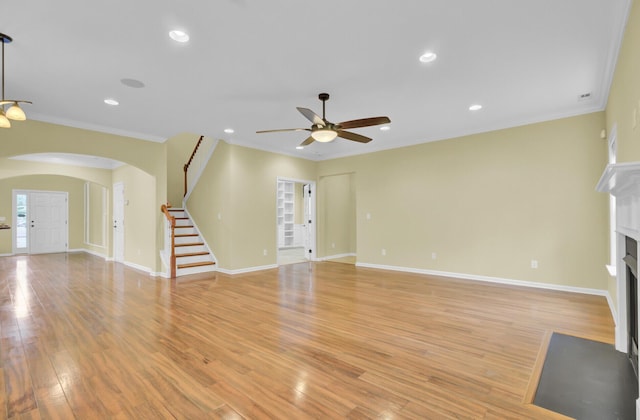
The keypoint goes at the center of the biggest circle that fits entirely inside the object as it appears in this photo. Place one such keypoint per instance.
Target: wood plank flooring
(87, 339)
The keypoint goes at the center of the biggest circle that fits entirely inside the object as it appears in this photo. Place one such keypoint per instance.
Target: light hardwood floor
(90, 339)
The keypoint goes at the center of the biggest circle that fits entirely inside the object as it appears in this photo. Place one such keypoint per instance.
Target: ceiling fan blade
(283, 129)
(364, 122)
(311, 116)
(307, 142)
(353, 136)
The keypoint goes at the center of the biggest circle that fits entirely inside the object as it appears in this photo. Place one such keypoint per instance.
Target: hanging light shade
(324, 135)
(14, 112)
(4, 121)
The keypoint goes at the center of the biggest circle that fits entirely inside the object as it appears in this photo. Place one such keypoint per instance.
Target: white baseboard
(138, 267)
(7, 255)
(524, 283)
(88, 251)
(334, 257)
(247, 270)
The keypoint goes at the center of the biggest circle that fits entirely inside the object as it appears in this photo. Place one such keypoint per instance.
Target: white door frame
(313, 232)
(118, 221)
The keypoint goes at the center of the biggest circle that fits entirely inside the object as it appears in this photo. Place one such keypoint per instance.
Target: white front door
(118, 222)
(47, 222)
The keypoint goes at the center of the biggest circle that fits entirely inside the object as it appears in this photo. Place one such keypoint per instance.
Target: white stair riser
(195, 270)
(184, 230)
(196, 258)
(187, 239)
(189, 249)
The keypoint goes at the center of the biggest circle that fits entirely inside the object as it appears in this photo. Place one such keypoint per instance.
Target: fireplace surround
(622, 180)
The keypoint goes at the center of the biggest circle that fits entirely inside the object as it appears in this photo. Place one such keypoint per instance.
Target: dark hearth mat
(586, 379)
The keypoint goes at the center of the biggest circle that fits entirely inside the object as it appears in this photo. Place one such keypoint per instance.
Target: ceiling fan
(324, 131)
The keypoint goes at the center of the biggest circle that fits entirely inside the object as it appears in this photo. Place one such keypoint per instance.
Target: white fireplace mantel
(620, 179)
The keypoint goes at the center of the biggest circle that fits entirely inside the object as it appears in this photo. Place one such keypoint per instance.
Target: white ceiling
(249, 64)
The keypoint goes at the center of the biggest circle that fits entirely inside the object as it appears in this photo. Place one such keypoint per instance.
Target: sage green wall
(139, 221)
(624, 101)
(240, 185)
(210, 204)
(179, 149)
(39, 137)
(337, 215)
(488, 204)
(73, 186)
(97, 213)
(298, 206)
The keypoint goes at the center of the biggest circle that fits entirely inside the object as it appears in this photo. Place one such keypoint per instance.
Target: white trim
(195, 225)
(333, 257)
(614, 52)
(548, 286)
(96, 127)
(7, 255)
(88, 251)
(611, 269)
(612, 308)
(138, 267)
(247, 270)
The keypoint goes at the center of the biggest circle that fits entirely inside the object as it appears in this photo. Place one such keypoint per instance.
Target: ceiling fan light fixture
(4, 121)
(16, 113)
(324, 135)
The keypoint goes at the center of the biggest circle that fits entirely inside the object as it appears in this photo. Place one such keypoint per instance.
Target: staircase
(192, 255)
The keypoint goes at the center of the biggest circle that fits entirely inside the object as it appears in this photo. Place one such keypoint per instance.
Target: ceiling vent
(584, 97)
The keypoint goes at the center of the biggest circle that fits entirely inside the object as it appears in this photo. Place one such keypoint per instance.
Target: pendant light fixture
(14, 112)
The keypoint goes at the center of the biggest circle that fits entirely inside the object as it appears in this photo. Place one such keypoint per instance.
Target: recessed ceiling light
(475, 107)
(299, 147)
(229, 130)
(428, 57)
(179, 36)
(132, 83)
(385, 128)
(111, 101)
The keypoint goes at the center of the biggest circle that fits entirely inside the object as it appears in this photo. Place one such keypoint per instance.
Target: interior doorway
(295, 221)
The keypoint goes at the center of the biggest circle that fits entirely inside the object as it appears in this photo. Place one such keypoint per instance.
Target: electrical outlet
(534, 263)
(333, 245)
(384, 251)
(434, 255)
(368, 216)
(264, 252)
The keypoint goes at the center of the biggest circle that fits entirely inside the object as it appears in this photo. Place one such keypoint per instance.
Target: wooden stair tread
(191, 244)
(192, 254)
(185, 235)
(195, 264)
(181, 218)
(184, 226)
(175, 209)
